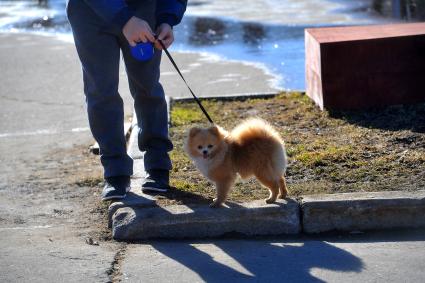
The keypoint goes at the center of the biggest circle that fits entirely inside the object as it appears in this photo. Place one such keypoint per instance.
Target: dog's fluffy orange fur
(253, 148)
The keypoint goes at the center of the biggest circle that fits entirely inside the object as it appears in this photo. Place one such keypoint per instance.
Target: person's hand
(136, 30)
(165, 34)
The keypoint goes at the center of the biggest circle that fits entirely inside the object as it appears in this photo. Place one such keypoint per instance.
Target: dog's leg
(283, 192)
(274, 190)
(272, 185)
(223, 189)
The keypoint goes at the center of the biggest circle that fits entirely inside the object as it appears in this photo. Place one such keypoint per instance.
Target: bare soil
(80, 176)
(62, 188)
(328, 152)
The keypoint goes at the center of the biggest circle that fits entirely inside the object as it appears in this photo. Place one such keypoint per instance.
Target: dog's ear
(194, 131)
(214, 130)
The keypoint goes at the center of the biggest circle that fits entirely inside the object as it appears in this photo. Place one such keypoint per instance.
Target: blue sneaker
(116, 187)
(156, 181)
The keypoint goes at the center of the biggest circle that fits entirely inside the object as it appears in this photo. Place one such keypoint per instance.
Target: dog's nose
(204, 151)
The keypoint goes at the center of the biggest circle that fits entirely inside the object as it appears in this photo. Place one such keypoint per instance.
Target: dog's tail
(253, 128)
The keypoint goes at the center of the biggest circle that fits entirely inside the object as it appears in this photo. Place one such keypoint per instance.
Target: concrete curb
(363, 211)
(138, 217)
(180, 221)
(127, 130)
(134, 199)
(242, 96)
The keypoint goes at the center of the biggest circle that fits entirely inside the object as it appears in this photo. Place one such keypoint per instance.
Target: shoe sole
(117, 197)
(152, 189)
(113, 197)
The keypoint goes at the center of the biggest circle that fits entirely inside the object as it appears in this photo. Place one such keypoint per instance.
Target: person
(101, 29)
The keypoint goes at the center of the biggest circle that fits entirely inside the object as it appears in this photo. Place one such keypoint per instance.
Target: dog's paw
(281, 196)
(269, 200)
(216, 204)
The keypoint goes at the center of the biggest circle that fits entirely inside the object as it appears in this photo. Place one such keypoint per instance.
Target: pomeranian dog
(253, 148)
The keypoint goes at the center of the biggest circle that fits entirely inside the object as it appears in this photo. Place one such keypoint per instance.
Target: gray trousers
(98, 46)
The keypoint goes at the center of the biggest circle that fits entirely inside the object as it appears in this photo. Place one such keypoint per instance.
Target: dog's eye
(210, 146)
(199, 146)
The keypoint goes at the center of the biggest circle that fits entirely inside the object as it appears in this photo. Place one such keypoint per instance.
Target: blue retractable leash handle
(144, 52)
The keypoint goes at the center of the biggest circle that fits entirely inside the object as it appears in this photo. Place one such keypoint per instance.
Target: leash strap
(178, 71)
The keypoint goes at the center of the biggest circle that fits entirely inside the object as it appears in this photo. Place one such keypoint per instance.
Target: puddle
(269, 32)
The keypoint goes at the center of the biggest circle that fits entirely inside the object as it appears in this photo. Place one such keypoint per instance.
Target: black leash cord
(178, 71)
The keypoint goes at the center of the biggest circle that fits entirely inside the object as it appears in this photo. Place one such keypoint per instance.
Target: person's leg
(99, 52)
(151, 110)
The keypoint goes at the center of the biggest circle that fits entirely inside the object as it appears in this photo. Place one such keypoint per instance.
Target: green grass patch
(184, 115)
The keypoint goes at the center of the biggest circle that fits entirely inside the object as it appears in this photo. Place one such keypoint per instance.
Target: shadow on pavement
(383, 236)
(262, 261)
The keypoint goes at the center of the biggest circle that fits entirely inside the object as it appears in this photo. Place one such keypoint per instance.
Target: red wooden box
(365, 66)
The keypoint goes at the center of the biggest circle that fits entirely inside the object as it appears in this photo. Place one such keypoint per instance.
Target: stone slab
(138, 169)
(134, 199)
(367, 66)
(180, 221)
(95, 149)
(242, 96)
(363, 211)
(133, 147)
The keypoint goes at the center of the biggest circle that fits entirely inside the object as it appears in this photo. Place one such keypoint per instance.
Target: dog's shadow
(243, 260)
(182, 197)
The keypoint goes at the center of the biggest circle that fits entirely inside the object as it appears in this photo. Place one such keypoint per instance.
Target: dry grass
(335, 152)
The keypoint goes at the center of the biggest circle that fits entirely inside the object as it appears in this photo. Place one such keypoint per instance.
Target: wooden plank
(352, 33)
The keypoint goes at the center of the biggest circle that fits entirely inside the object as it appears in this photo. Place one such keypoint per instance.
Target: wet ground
(269, 33)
